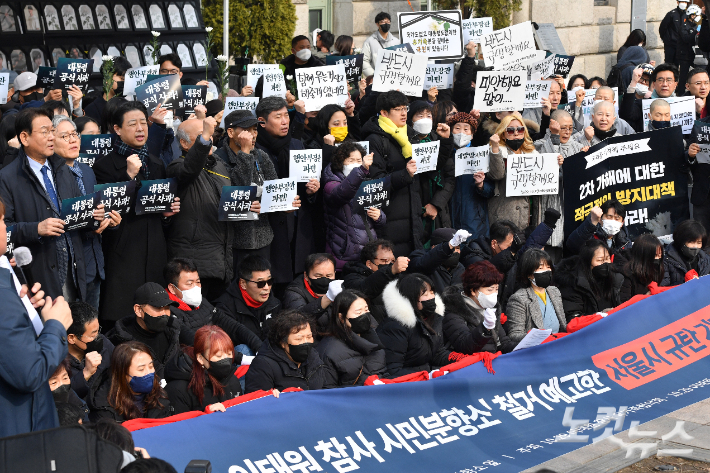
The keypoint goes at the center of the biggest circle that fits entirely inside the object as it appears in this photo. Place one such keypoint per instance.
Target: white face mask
(462, 139)
(682, 5)
(304, 54)
(423, 126)
(192, 296)
(348, 168)
(487, 301)
(641, 89)
(611, 227)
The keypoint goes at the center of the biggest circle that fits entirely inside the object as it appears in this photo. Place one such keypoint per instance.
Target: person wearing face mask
(287, 358)
(660, 115)
(202, 376)
(63, 393)
(347, 231)
(472, 321)
(605, 223)
(315, 290)
(537, 304)
(646, 82)
(588, 282)
(28, 94)
(645, 266)
(300, 57)
(685, 258)
(332, 126)
(441, 261)
(381, 39)
(151, 324)
(349, 346)
(96, 108)
(669, 31)
(130, 389)
(679, 31)
(412, 332)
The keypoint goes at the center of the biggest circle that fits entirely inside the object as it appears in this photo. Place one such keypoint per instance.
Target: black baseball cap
(240, 118)
(153, 294)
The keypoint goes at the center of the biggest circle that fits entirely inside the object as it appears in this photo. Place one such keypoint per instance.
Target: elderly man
(602, 126)
(607, 94)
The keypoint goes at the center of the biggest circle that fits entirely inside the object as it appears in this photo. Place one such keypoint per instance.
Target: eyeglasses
(97, 336)
(401, 109)
(261, 284)
(169, 71)
(45, 132)
(515, 129)
(660, 80)
(66, 136)
(567, 128)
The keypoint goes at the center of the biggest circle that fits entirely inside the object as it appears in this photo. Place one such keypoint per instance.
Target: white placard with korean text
(471, 160)
(305, 164)
(426, 155)
(396, 70)
(500, 91)
(532, 174)
(278, 195)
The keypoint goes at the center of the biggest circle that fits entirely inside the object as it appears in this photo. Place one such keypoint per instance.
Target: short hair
(111, 107)
(252, 264)
(57, 119)
(268, 105)
(120, 66)
(175, 266)
(342, 153)
(480, 274)
(616, 205)
(369, 251)
(172, 57)
(149, 465)
(182, 134)
(601, 81)
(659, 103)
(382, 16)
(694, 72)
(326, 38)
(559, 114)
(318, 258)
(501, 229)
(603, 103)
(662, 68)
(53, 105)
(574, 78)
(24, 119)
(689, 230)
(529, 263)
(69, 414)
(81, 123)
(298, 39)
(287, 322)
(82, 313)
(604, 88)
(392, 99)
(124, 108)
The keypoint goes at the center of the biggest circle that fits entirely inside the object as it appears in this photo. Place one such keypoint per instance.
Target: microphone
(23, 259)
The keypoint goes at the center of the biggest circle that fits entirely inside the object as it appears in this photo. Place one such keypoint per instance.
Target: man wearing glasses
(645, 83)
(379, 40)
(698, 85)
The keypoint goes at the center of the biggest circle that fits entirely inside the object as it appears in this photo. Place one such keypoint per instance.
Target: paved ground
(606, 456)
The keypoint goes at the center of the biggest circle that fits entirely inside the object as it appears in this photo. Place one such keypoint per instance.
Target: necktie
(50, 188)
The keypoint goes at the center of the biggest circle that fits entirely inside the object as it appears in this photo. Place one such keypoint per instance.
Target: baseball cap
(153, 294)
(646, 68)
(25, 81)
(214, 107)
(240, 118)
(441, 235)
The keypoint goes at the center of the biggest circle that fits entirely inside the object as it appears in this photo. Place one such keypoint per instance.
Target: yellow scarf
(398, 133)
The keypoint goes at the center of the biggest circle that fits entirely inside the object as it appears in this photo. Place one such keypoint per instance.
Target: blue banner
(637, 364)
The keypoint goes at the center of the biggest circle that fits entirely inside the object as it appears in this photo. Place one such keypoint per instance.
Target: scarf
(276, 146)
(181, 303)
(398, 133)
(124, 150)
(602, 135)
(248, 299)
(308, 288)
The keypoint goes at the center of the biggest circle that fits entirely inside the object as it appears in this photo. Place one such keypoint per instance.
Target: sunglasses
(515, 129)
(261, 284)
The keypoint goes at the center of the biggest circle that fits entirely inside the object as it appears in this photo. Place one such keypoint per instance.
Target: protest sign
(274, 83)
(440, 76)
(476, 28)
(643, 171)
(93, 147)
(118, 196)
(78, 212)
(404, 48)
(138, 76)
(305, 164)
(239, 103)
(352, 65)
(152, 77)
(278, 195)
(535, 91)
(321, 86)
(192, 96)
(700, 135)
(471, 160)
(254, 71)
(542, 69)
(426, 155)
(373, 193)
(499, 91)
(235, 202)
(548, 39)
(155, 196)
(400, 71)
(72, 72)
(436, 34)
(563, 64)
(45, 76)
(532, 174)
(682, 112)
(165, 91)
(4, 86)
(10, 230)
(509, 46)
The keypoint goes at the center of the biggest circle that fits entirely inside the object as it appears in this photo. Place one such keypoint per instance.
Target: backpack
(614, 79)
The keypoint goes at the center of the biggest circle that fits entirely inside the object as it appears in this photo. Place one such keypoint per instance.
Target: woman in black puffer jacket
(686, 253)
(350, 346)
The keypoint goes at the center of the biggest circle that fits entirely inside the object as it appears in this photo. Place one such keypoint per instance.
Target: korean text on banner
(535, 91)
(440, 76)
(532, 174)
(509, 46)
(476, 28)
(426, 155)
(321, 86)
(254, 71)
(400, 71)
(436, 34)
(472, 160)
(500, 91)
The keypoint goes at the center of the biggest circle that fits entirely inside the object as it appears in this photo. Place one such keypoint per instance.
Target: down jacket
(578, 296)
(351, 362)
(255, 319)
(677, 266)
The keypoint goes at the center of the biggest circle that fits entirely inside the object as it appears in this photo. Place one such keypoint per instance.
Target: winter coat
(578, 297)
(631, 286)
(701, 176)
(463, 93)
(195, 232)
(93, 254)
(313, 140)
(429, 263)
(273, 369)
(297, 296)
(254, 318)
(289, 63)
(371, 49)
(500, 206)
(351, 362)
(678, 33)
(677, 267)
(524, 314)
(631, 110)
(27, 204)
(357, 276)
(463, 327)
(28, 360)
(135, 252)
(586, 231)
(469, 205)
(100, 408)
(76, 369)
(579, 136)
(410, 345)
(633, 56)
(437, 187)
(346, 231)
(404, 223)
(183, 399)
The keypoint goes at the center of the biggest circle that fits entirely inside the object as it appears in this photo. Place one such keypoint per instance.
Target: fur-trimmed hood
(399, 308)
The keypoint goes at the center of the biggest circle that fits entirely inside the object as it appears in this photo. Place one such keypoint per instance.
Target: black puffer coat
(464, 330)
(677, 266)
(404, 212)
(352, 362)
(254, 318)
(358, 276)
(429, 263)
(297, 296)
(273, 369)
(410, 345)
(578, 297)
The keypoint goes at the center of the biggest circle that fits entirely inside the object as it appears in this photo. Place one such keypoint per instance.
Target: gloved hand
(459, 237)
(246, 359)
(518, 242)
(489, 319)
(551, 217)
(334, 288)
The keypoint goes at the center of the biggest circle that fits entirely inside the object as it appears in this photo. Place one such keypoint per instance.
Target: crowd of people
(146, 316)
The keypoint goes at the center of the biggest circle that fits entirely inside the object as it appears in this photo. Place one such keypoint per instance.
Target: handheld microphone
(23, 259)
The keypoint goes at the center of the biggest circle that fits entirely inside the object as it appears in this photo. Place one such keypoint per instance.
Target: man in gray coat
(379, 40)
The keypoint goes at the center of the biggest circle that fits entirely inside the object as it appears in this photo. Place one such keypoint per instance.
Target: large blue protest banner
(648, 359)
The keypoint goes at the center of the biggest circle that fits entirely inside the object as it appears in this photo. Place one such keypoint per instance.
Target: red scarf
(182, 305)
(248, 299)
(308, 288)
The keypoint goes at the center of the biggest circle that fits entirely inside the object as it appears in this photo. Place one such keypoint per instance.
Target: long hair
(586, 255)
(642, 256)
(412, 287)
(528, 146)
(440, 110)
(341, 305)
(635, 38)
(121, 397)
(208, 340)
(343, 45)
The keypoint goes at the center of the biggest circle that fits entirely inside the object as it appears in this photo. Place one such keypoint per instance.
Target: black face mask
(299, 353)
(61, 394)
(660, 124)
(383, 266)
(320, 285)
(156, 324)
(429, 307)
(33, 96)
(543, 279)
(689, 253)
(221, 369)
(360, 324)
(515, 144)
(602, 135)
(601, 272)
(657, 262)
(385, 27)
(452, 261)
(119, 87)
(95, 345)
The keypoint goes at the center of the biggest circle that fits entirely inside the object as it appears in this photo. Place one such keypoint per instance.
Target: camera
(199, 466)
